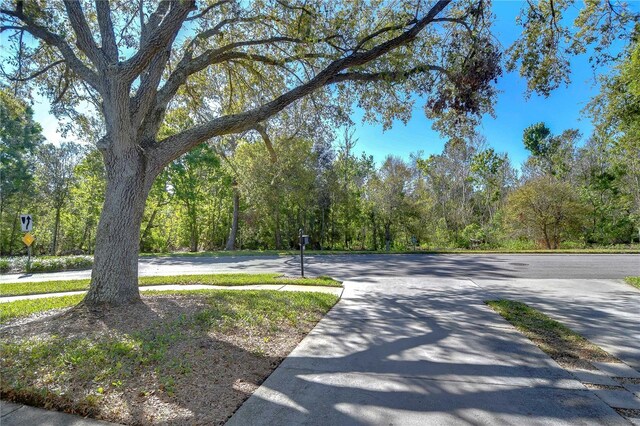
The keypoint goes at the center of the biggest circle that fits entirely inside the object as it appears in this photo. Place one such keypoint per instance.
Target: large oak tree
(119, 68)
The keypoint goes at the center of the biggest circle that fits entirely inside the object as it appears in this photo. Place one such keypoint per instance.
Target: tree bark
(14, 229)
(56, 229)
(278, 236)
(374, 227)
(231, 242)
(387, 236)
(114, 278)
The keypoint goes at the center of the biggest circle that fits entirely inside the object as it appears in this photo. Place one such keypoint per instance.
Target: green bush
(473, 236)
(45, 263)
(62, 263)
(571, 245)
(5, 265)
(518, 244)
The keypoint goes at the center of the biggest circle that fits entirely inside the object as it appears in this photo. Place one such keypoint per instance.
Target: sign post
(304, 240)
(26, 222)
(301, 253)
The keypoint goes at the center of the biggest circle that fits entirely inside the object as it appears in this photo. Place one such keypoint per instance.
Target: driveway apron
(416, 351)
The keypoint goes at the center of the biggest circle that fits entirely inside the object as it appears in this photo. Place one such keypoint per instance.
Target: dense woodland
(255, 193)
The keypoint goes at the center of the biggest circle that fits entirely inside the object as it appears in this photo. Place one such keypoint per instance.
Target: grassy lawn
(24, 308)
(19, 289)
(634, 281)
(561, 343)
(183, 357)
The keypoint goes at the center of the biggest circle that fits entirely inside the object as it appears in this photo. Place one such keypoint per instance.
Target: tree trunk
(278, 236)
(14, 230)
(546, 237)
(56, 229)
(387, 235)
(114, 278)
(2, 252)
(374, 227)
(231, 242)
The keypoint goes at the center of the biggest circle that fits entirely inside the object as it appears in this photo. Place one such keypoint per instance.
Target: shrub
(62, 263)
(5, 265)
(45, 264)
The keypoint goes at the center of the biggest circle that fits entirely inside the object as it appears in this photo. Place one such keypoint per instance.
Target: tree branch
(172, 147)
(38, 73)
(107, 35)
(86, 43)
(11, 27)
(160, 38)
(189, 66)
(57, 41)
(385, 75)
(267, 141)
(457, 21)
(207, 9)
(382, 31)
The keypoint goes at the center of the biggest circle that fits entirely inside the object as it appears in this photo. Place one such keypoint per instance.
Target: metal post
(301, 252)
(28, 259)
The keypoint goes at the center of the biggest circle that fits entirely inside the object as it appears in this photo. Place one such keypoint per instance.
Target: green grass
(24, 308)
(251, 299)
(555, 339)
(634, 281)
(75, 371)
(25, 288)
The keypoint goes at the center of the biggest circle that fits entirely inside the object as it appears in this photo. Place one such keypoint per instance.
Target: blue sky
(561, 110)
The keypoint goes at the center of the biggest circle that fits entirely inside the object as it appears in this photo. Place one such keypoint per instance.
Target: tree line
(247, 194)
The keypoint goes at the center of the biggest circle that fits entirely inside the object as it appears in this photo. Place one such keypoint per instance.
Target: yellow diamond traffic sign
(28, 239)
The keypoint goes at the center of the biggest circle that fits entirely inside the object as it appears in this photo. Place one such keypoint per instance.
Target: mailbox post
(304, 240)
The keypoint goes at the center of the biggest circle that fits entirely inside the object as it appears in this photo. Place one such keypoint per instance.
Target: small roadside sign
(26, 222)
(28, 239)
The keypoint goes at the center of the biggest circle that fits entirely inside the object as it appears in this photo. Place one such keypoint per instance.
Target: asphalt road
(344, 267)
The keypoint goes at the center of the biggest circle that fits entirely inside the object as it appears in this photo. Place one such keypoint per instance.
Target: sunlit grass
(76, 372)
(555, 339)
(634, 281)
(26, 288)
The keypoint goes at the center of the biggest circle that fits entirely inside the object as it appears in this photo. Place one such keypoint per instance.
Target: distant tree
(551, 155)
(85, 202)
(616, 113)
(55, 174)
(392, 195)
(20, 136)
(492, 176)
(602, 186)
(546, 210)
(278, 194)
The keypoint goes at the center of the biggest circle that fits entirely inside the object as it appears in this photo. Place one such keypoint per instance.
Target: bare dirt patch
(175, 359)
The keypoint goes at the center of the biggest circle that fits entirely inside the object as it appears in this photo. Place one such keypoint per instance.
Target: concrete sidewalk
(414, 352)
(606, 312)
(22, 415)
(277, 287)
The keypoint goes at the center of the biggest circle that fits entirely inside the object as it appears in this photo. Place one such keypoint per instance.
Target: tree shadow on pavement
(438, 355)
